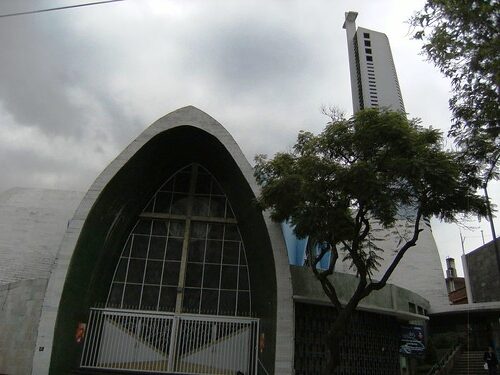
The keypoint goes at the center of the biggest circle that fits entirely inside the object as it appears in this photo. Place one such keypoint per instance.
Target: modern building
(476, 322)
(482, 273)
(457, 293)
(374, 82)
(165, 265)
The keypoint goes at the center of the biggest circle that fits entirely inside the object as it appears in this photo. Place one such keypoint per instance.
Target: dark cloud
(55, 80)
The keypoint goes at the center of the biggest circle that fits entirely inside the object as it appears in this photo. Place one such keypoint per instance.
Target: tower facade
(374, 82)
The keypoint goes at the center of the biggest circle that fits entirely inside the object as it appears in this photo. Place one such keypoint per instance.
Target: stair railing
(446, 363)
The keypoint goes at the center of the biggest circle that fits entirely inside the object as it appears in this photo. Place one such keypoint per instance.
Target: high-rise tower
(374, 81)
(375, 85)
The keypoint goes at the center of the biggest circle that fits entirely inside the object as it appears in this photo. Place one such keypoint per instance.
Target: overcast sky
(76, 86)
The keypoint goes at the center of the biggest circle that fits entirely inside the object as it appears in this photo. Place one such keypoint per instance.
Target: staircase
(469, 363)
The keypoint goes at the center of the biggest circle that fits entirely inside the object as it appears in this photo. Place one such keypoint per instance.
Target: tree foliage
(461, 37)
(338, 187)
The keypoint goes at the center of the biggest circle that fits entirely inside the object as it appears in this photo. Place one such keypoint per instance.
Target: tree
(338, 187)
(462, 38)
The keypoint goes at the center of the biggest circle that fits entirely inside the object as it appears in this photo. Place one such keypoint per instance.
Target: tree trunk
(335, 335)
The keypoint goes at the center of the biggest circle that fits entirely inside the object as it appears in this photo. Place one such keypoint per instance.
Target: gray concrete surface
(20, 307)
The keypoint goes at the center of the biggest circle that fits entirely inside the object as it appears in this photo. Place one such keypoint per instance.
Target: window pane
(215, 231)
(160, 228)
(231, 252)
(191, 300)
(198, 230)
(243, 259)
(139, 246)
(243, 303)
(176, 229)
(217, 206)
(157, 247)
(211, 276)
(216, 189)
(150, 296)
(229, 212)
(227, 302)
(115, 297)
(243, 279)
(196, 250)
(231, 233)
(163, 201)
(167, 299)
(179, 204)
(200, 206)
(209, 299)
(213, 252)
(121, 270)
(181, 183)
(135, 270)
(171, 273)
(229, 277)
(131, 296)
(153, 272)
(193, 274)
(142, 227)
(174, 249)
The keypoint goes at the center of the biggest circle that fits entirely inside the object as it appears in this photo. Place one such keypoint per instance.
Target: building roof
(32, 225)
(480, 307)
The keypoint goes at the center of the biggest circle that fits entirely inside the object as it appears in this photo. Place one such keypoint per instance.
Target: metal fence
(170, 343)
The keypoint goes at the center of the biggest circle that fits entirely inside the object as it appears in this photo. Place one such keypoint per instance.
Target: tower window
(366, 35)
(368, 50)
(368, 43)
(369, 58)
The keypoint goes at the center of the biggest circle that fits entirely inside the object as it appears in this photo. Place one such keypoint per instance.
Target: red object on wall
(80, 332)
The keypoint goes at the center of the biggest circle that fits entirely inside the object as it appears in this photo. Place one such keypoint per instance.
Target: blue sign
(412, 340)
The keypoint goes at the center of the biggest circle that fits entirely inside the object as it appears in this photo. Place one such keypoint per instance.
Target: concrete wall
(483, 273)
(20, 308)
(390, 300)
(32, 225)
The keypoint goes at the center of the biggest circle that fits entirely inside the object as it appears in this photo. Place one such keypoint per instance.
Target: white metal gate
(170, 343)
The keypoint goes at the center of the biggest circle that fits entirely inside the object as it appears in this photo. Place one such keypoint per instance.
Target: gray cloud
(249, 59)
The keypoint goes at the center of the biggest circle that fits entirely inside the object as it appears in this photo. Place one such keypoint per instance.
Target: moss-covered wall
(115, 212)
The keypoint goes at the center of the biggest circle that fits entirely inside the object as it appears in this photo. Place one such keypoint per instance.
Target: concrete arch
(88, 250)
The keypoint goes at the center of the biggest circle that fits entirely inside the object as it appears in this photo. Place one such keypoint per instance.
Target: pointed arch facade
(214, 230)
